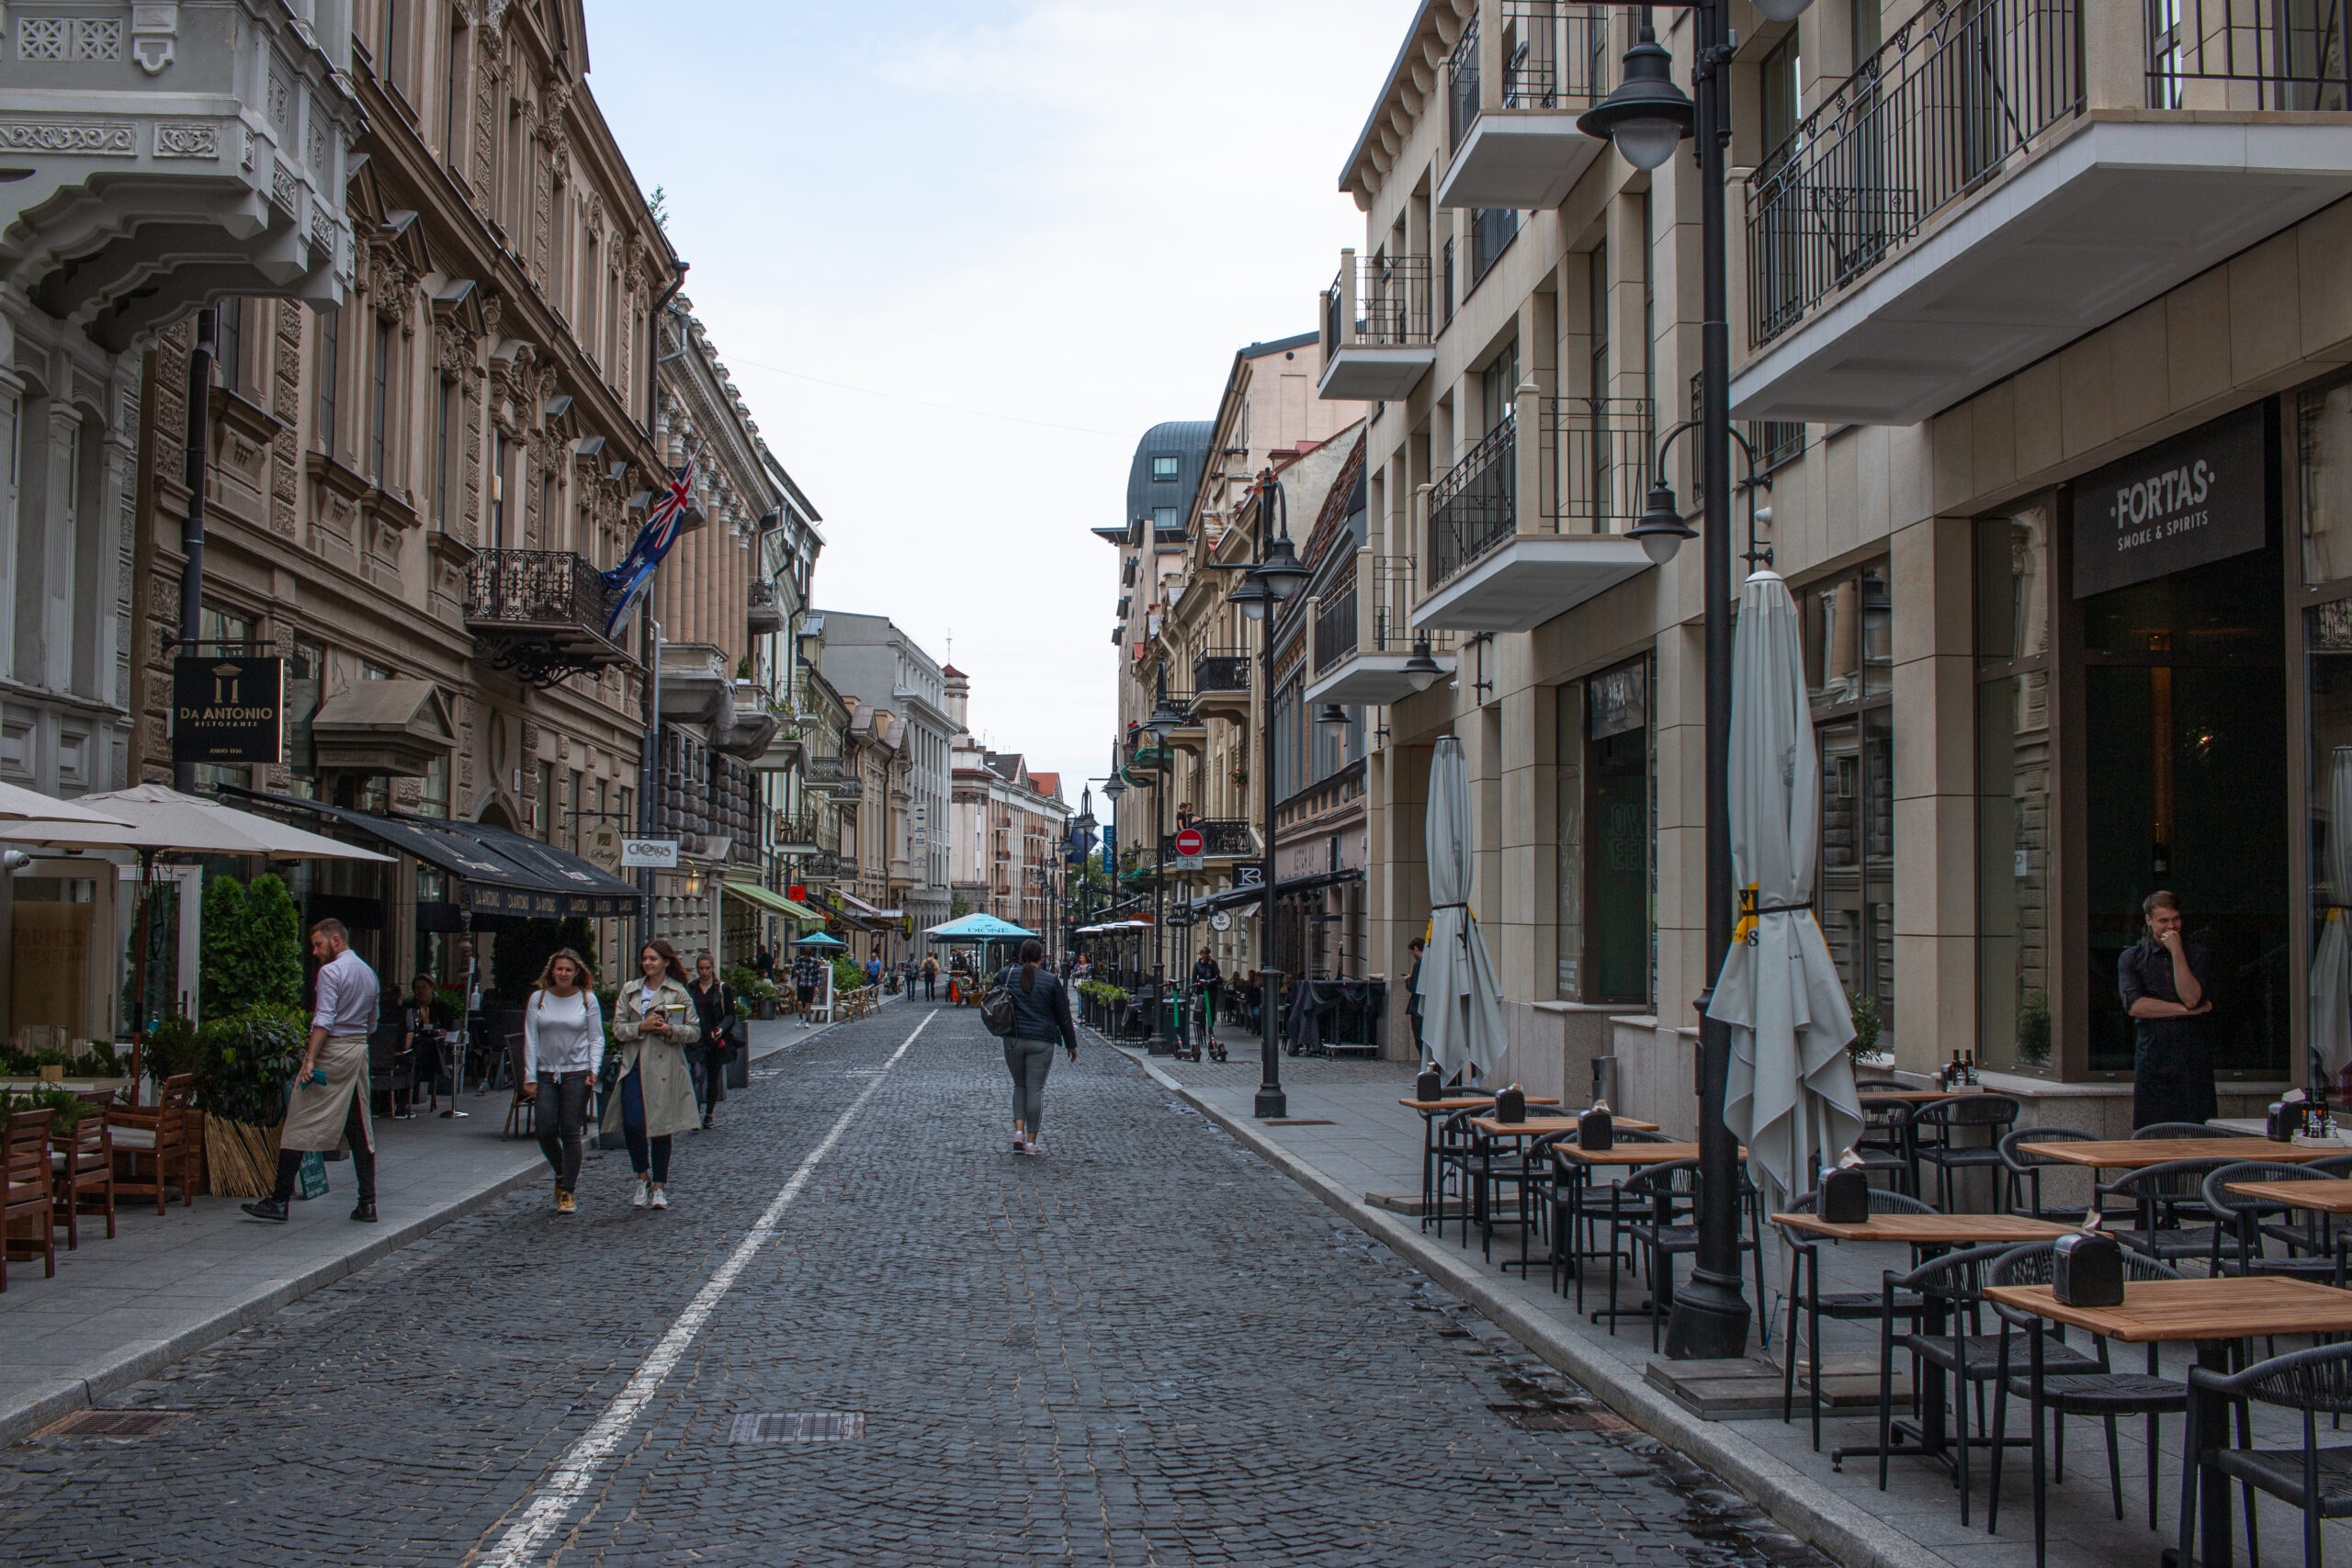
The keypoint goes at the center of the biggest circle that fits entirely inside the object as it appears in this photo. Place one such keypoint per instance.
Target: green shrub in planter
(65, 1110)
(848, 975)
(171, 1049)
(245, 1063)
(1866, 1024)
(274, 945)
(224, 978)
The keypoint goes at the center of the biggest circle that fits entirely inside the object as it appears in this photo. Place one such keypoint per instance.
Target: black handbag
(737, 1034)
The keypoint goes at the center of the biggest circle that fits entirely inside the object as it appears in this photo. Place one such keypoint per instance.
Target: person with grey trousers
(1041, 1020)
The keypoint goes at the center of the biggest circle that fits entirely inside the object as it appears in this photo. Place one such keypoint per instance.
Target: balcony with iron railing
(1522, 530)
(2134, 145)
(1363, 638)
(1221, 683)
(1520, 75)
(541, 614)
(1378, 328)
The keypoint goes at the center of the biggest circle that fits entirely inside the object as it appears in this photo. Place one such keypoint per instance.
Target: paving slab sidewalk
(1346, 1137)
(164, 1288)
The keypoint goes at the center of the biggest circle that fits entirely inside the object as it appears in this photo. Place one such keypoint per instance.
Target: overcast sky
(960, 256)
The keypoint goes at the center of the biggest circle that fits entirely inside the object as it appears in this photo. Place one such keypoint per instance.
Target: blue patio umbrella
(978, 927)
(819, 938)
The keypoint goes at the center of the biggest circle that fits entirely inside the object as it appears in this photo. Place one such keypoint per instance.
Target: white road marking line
(571, 1478)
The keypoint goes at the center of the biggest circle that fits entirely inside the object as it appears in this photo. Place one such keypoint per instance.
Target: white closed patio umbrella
(1790, 1096)
(1461, 1014)
(2332, 958)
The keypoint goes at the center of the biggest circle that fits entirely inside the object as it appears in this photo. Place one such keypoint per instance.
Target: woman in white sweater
(563, 1050)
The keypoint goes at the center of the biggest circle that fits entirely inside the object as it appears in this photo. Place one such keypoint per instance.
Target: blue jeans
(633, 1129)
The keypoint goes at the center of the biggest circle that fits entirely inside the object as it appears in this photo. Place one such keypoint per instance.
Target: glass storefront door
(2186, 788)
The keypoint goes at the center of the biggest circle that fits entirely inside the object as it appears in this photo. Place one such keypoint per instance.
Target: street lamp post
(1648, 116)
(1112, 789)
(1163, 723)
(1273, 578)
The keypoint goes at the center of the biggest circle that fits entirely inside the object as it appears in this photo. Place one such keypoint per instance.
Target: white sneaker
(661, 1198)
(1037, 1148)
(1020, 1143)
(637, 1200)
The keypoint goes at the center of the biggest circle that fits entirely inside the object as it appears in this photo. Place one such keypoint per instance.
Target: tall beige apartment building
(2041, 311)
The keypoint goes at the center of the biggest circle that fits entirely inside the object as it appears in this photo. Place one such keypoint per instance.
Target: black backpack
(996, 1006)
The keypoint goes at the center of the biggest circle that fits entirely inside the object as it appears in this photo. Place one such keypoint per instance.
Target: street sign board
(601, 847)
(796, 892)
(662, 853)
(1249, 874)
(1221, 921)
(227, 710)
(1189, 843)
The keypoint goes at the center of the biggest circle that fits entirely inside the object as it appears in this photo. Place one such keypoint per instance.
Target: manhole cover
(800, 1426)
(112, 1424)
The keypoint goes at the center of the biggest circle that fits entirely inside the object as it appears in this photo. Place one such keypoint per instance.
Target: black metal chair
(1575, 1204)
(1935, 1129)
(2314, 1479)
(1456, 1142)
(1954, 1284)
(2025, 1168)
(2170, 1220)
(2310, 1250)
(1886, 1143)
(1807, 1297)
(2104, 1393)
(2184, 1130)
(1669, 1193)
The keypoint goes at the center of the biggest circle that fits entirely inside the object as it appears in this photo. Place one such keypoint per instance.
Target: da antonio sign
(228, 711)
(2200, 497)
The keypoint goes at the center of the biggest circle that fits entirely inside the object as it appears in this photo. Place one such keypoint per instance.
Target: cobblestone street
(1148, 1347)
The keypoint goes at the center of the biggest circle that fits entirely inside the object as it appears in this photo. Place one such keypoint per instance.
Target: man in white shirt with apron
(328, 1106)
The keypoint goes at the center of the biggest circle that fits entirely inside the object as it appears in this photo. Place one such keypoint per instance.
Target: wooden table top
(1932, 1230)
(1468, 1102)
(1537, 1126)
(1918, 1096)
(2137, 1154)
(1631, 1154)
(2326, 1195)
(2227, 1308)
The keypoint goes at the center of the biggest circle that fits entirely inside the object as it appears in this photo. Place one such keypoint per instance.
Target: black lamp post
(1112, 789)
(1162, 724)
(1273, 579)
(1646, 117)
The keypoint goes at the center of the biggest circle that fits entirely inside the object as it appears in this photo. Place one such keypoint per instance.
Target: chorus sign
(2200, 497)
(228, 711)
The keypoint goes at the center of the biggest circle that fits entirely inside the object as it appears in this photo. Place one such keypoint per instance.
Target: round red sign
(1190, 842)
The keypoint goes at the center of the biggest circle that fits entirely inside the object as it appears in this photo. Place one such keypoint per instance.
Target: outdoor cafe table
(1582, 1162)
(2215, 1314)
(2138, 1153)
(2325, 1197)
(1434, 1111)
(1918, 1096)
(1928, 1235)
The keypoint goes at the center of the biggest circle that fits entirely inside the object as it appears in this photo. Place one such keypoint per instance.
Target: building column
(1935, 792)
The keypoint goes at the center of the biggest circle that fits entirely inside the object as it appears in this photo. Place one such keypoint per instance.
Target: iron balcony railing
(1390, 300)
(1335, 623)
(824, 772)
(1474, 506)
(1220, 670)
(536, 588)
(1957, 94)
(1387, 586)
(1554, 56)
(1222, 838)
(2249, 55)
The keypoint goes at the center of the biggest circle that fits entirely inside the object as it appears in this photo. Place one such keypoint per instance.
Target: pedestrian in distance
(713, 1010)
(1413, 998)
(1041, 1019)
(563, 1051)
(874, 968)
(930, 977)
(808, 971)
(328, 1106)
(764, 961)
(1206, 978)
(424, 1023)
(653, 1025)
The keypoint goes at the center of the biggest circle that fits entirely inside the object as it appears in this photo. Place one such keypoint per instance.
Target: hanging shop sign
(662, 853)
(2200, 497)
(600, 846)
(228, 711)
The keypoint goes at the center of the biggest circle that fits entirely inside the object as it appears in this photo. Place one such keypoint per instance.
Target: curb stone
(1845, 1530)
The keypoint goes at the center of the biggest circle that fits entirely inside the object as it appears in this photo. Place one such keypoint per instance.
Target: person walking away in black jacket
(1041, 1019)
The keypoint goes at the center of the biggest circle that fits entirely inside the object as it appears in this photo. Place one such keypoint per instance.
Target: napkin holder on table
(1430, 1086)
(1511, 1105)
(1846, 1197)
(1597, 1130)
(2086, 1269)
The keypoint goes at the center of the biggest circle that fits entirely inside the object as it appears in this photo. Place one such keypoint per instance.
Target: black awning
(1290, 887)
(501, 873)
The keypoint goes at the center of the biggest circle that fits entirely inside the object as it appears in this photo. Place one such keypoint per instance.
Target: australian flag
(630, 580)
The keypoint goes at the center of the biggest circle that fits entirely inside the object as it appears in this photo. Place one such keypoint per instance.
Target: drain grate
(1297, 1122)
(112, 1424)
(800, 1426)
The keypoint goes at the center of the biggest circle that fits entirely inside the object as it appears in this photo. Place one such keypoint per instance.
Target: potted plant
(244, 1065)
(1864, 1048)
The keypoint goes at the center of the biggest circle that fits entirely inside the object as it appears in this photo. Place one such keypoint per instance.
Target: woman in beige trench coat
(653, 1024)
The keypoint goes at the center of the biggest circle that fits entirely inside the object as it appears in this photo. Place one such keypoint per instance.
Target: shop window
(2328, 639)
(1164, 468)
(1848, 655)
(2324, 441)
(433, 795)
(1608, 805)
(50, 941)
(306, 669)
(2016, 983)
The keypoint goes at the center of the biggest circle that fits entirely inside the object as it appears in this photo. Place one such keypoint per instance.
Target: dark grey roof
(1260, 350)
(1186, 440)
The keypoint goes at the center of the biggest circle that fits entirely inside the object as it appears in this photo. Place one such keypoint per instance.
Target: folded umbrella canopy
(1461, 1014)
(155, 820)
(1791, 1097)
(26, 805)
